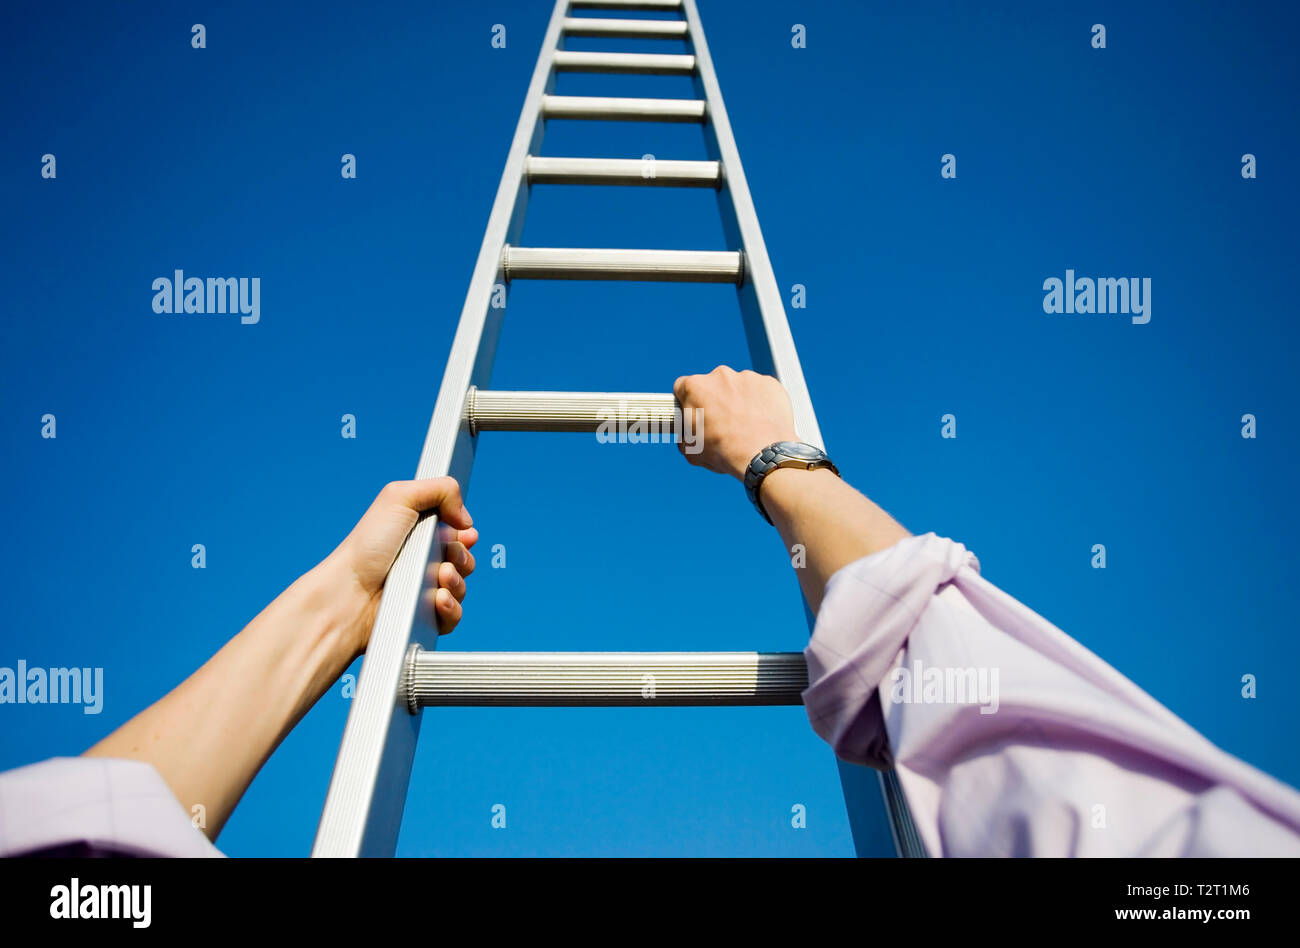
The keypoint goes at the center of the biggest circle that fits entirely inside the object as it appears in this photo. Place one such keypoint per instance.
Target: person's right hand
(734, 415)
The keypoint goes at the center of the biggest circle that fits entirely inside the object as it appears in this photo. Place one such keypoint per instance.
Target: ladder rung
(654, 64)
(625, 5)
(635, 171)
(657, 414)
(625, 29)
(678, 266)
(606, 679)
(626, 110)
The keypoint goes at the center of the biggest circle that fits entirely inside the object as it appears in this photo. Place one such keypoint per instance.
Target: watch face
(797, 449)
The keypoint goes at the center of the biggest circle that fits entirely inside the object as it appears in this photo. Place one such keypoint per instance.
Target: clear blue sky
(924, 298)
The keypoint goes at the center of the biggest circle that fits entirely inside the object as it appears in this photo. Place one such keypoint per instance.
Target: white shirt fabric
(1072, 760)
(111, 806)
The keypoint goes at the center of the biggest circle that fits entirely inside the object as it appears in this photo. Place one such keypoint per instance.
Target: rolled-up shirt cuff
(1036, 763)
(869, 608)
(95, 805)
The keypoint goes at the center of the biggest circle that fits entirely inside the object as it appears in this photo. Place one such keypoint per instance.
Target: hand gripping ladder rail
(401, 673)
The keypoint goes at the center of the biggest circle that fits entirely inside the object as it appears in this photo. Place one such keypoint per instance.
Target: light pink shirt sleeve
(112, 806)
(1011, 738)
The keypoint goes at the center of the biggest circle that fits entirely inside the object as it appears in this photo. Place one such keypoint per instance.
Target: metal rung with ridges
(604, 679)
(625, 29)
(657, 414)
(622, 110)
(664, 266)
(625, 5)
(649, 64)
(634, 171)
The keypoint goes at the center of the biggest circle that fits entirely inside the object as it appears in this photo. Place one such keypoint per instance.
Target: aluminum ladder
(401, 672)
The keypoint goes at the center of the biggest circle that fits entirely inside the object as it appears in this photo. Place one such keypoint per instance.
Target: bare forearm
(209, 737)
(833, 522)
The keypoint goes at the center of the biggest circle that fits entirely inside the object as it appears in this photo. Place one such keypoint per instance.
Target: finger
(442, 493)
(440, 609)
(448, 535)
(449, 612)
(451, 580)
(690, 425)
(459, 557)
(457, 560)
(679, 388)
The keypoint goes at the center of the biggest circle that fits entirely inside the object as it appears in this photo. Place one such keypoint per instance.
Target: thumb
(434, 493)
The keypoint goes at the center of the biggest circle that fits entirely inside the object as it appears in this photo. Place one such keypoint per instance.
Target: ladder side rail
(367, 793)
(772, 351)
(771, 346)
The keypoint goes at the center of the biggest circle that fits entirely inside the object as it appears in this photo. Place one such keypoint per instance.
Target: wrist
(338, 613)
(741, 460)
(783, 487)
(782, 455)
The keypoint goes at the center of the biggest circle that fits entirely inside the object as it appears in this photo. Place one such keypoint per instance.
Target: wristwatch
(782, 454)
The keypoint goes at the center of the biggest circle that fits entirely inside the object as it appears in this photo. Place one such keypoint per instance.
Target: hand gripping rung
(629, 171)
(656, 413)
(622, 110)
(624, 29)
(649, 64)
(663, 266)
(603, 679)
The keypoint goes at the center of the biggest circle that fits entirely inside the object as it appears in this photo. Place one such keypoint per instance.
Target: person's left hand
(368, 552)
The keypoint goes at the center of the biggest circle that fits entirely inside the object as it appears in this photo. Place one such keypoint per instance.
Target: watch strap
(773, 457)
